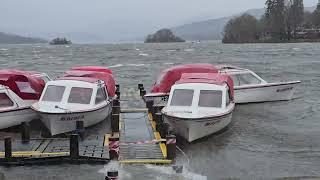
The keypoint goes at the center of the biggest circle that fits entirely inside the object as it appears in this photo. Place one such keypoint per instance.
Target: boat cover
(211, 78)
(93, 68)
(170, 76)
(106, 77)
(26, 86)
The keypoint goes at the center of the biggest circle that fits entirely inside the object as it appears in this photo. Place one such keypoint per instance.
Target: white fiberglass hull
(193, 129)
(250, 94)
(266, 92)
(16, 117)
(58, 123)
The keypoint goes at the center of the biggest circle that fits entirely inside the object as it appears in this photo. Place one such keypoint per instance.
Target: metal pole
(158, 118)
(25, 132)
(116, 102)
(7, 148)
(74, 146)
(116, 110)
(80, 128)
(117, 87)
(149, 105)
(140, 86)
(118, 94)
(115, 123)
(171, 147)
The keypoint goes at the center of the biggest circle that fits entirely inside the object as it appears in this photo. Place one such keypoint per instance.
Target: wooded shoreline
(284, 21)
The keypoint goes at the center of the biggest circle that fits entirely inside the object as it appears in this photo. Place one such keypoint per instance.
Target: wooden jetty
(138, 136)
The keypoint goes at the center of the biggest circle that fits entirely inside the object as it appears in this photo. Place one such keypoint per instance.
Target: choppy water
(266, 141)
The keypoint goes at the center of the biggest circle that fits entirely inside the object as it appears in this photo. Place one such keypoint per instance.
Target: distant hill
(213, 29)
(16, 39)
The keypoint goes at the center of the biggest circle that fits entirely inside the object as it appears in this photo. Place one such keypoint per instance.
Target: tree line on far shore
(280, 23)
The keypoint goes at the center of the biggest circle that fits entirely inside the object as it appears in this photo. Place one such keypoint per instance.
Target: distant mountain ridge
(16, 39)
(213, 29)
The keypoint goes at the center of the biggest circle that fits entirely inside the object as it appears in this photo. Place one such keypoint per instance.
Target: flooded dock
(124, 142)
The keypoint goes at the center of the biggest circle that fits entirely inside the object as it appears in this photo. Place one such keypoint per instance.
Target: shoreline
(276, 41)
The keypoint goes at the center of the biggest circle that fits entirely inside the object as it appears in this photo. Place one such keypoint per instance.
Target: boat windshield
(101, 95)
(53, 93)
(45, 78)
(245, 79)
(25, 87)
(210, 98)
(5, 101)
(80, 95)
(182, 97)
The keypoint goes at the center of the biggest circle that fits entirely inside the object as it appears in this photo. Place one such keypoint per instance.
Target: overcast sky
(70, 15)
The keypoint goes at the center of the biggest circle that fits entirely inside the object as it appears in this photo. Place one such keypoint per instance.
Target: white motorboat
(78, 96)
(200, 104)
(250, 88)
(18, 91)
(167, 78)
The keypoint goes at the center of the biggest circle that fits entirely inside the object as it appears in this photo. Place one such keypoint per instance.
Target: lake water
(266, 140)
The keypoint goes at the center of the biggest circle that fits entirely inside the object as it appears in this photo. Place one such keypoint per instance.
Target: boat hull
(265, 93)
(58, 123)
(193, 129)
(16, 117)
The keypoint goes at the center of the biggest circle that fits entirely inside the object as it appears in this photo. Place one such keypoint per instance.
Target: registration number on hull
(285, 89)
(211, 123)
(72, 118)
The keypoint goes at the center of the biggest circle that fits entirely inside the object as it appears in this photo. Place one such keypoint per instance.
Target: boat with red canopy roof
(168, 77)
(248, 86)
(93, 68)
(18, 91)
(200, 104)
(84, 94)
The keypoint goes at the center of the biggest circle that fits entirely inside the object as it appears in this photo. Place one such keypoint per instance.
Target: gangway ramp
(138, 141)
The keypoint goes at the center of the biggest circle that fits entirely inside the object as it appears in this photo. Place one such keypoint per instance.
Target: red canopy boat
(23, 83)
(170, 76)
(210, 78)
(95, 75)
(93, 68)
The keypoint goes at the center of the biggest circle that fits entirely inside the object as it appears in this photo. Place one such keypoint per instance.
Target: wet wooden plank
(129, 130)
(141, 151)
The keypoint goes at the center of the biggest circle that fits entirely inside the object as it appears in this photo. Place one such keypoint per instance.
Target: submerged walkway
(138, 142)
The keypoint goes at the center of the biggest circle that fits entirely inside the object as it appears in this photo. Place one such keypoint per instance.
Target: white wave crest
(116, 65)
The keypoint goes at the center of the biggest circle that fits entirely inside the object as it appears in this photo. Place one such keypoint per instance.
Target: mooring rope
(184, 154)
